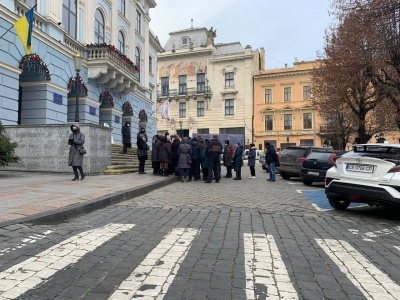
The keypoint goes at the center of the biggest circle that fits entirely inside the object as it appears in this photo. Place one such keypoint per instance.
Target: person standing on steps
(238, 161)
(75, 158)
(126, 137)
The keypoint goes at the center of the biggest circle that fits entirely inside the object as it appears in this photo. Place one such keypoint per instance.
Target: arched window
(121, 42)
(98, 27)
(137, 60)
(69, 17)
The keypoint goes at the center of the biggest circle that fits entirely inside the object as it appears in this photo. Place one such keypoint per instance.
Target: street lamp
(180, 124)
(78, 65)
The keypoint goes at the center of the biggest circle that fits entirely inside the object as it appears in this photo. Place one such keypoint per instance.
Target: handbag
(82, 151)
(277, 163)
(142, 154)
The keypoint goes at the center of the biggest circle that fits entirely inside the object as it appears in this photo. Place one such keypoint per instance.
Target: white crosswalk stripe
(372, 282)
(265, 271)
(30, 273)
(153, 277)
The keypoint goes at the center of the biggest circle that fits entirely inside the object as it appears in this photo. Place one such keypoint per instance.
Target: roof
(196, 36)
(228, 48)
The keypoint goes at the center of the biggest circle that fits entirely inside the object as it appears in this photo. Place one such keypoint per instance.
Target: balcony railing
(112, 68)
(190, 92)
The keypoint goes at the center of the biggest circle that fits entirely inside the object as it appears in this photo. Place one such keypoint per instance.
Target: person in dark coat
(251, 161)
(214, 149)
(238, 161)
(142, 131)
(204, 160)
(155, 162)
(164, 155)
(75, 158)
(142, 152)
(195, 159)
(185, 156)
(202, 146)
(271, 158)
(228, 158)
(126, 137)
(176, 141)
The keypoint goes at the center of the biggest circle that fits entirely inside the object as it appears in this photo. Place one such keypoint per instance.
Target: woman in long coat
(238, 161)
(251, 161)
(164, 155)
(75, 158)
(142, 148)
(185, 156)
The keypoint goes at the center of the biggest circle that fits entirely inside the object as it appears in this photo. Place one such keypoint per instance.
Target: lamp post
(180, 125)
(78, 65)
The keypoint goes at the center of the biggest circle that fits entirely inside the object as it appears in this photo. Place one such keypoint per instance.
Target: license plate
(360, 168)
(312, 173)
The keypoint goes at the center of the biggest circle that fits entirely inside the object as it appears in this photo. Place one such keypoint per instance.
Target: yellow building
(283, 110)
(208, 86)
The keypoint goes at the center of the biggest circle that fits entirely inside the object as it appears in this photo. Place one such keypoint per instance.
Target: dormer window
(185, 41)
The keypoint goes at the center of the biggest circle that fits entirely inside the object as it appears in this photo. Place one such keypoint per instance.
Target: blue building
(117, 81)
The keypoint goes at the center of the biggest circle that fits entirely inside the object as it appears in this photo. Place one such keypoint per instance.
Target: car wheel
(339, 203)
(307, 182)
(285, 176)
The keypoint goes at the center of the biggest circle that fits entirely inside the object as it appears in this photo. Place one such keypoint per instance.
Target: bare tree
(345, 74)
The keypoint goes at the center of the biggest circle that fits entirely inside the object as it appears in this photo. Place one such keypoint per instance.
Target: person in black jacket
(126, 137)
(214, 149)
(142, 152)
(271, 158)
(195, 159)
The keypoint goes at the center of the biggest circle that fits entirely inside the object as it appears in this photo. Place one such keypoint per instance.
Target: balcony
(112, 68)
(191, 92)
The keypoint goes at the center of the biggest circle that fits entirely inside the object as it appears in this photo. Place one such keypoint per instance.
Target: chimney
(285, 66)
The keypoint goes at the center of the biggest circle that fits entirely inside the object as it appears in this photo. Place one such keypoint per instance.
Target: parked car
(316, 164)
(291, 160)
(368, 174)
(258, 154)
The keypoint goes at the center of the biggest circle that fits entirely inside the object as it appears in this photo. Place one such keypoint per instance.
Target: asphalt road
(248, 239)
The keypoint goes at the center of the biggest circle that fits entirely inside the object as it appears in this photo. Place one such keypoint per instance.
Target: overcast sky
(285, 28)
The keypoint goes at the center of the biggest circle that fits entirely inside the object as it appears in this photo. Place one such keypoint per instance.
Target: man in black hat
(271, 157)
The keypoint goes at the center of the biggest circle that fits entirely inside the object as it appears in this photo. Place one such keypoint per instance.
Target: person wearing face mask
(142, 132)
(126, 137)
(75, 158)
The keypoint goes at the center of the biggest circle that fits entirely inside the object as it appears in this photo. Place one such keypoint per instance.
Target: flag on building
(164, 110)
(24, 27)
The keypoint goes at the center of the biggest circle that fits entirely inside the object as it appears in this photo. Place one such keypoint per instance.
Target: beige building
(283, 111)
(209, 87)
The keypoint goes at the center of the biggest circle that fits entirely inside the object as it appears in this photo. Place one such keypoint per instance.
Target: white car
(368, 174)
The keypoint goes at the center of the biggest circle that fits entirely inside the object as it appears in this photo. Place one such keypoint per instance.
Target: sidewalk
(46, 198)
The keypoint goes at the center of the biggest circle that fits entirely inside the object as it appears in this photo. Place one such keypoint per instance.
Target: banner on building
(164, 111)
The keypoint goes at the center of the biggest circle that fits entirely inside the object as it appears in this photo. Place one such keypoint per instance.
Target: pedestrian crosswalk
(267, 274)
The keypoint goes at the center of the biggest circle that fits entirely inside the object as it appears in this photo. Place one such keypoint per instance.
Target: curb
(65, 213)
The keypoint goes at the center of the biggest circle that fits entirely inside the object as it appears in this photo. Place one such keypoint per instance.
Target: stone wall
(44, 148)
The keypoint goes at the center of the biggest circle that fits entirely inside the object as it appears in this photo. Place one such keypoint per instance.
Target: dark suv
(291, 160)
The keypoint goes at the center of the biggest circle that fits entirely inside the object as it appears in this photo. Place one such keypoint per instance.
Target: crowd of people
(190, 158)
(198, 158)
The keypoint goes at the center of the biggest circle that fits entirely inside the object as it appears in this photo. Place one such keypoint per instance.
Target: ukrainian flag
(24, 28)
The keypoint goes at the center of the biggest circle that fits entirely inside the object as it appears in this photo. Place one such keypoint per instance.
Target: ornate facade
(283, 111)
(208, 85)
(117, 79)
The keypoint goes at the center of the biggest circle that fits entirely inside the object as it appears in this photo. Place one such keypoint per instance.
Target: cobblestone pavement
(248, 239)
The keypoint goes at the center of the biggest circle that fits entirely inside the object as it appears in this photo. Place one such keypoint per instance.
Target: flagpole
(6, 32)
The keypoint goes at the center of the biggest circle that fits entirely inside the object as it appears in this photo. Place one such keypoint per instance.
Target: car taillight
(394, 169)
(328, 180)
(301, 159)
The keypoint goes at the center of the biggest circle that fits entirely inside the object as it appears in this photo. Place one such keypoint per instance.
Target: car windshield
(297, 152)
(320, 156)
(375, 151)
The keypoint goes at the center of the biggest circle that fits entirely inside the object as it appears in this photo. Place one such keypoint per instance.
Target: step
(120, 171)
(116, 167)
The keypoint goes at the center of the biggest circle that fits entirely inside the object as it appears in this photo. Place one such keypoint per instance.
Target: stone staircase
(125, 163)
